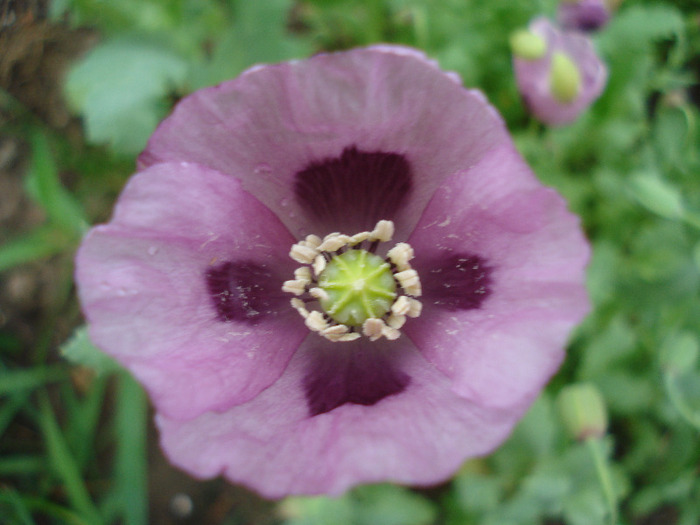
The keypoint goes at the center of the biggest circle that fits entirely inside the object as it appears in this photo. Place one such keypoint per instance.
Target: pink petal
(503, 348)
(143, 286)
(419, 436)
(272, 122)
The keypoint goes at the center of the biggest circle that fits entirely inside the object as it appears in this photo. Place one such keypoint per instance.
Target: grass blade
(131, 475)
(64, 464)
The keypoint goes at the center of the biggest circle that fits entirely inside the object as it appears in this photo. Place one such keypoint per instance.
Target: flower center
(358, 285)
(357, 291)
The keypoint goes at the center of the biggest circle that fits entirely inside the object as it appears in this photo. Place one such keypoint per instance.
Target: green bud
(582, 410)
(564, 79)
(527, 45)
(359, 285)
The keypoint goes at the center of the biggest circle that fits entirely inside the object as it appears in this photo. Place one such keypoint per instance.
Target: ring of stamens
(344, 295)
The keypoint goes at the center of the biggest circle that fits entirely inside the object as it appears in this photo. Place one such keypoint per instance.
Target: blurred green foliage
(629, 167)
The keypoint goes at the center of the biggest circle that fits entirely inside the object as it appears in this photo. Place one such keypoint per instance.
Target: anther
(296, 286)
(319, 265)
(359, 237)
(303, 273)
(409, 281)
(391, 333)
(319, 293)
(303, 254)
(333, 242)
(396, 321)
(372, 328)
(336, 329)
(401, 305)
(383, 231)
(400, 255)
(315, 321)
(415, 308)
(312, 241)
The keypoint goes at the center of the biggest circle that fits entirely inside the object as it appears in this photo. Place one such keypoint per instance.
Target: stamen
(409, 281)
(336, 329)
(359, 238)
(312, 241)
(415, 308)
(333, 242)
(372, 328)
(383, 231)
(391, 333)
(303, 254)
(355, 289)
(400, 254)
(396, 321)
(319, 293)
(401, 305)
(316, 322)
(319, 265)
(303, 273)
(299, 306)
(297, 286)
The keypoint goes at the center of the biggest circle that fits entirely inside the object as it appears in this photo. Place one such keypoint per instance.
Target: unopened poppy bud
(561, 83)
(583, 412)
(527, 45)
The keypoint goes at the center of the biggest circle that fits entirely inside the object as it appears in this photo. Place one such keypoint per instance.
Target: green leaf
(21, 464)
(392, 505)
(12, 381)
(258, 35)
(44, 185)
(120, 90)
(679, 352)
(318, 511)
(640, 25)
(371, 505)
(80, 350)
(44, 241)
(477, 493)
(658, 195)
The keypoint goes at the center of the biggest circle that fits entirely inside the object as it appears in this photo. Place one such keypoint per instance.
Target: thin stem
(595, 446)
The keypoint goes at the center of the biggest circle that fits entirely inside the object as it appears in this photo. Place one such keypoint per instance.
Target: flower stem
(595, 446)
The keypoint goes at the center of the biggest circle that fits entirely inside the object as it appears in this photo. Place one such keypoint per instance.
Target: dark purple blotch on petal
(460, 281)
(243, 291)
(340, 375)
(352, 192)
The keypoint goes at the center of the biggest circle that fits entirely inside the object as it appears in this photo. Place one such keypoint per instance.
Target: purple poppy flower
(584, 15)
(558, 72)
(184, 286)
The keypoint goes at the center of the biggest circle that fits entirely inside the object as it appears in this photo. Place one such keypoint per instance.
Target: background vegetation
(84, 83)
